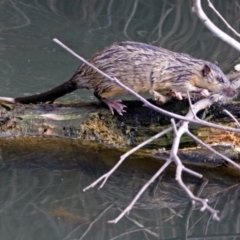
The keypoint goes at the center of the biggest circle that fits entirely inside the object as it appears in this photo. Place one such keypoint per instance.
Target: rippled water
(41, 188)
(31, 62)
(41, 195)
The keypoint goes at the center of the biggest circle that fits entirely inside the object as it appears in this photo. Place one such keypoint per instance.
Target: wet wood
(94, 122)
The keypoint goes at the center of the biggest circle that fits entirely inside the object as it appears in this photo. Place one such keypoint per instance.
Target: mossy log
(94, 122)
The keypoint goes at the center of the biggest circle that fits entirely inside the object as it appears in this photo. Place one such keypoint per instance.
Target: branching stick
(197, 8)
(179, 129)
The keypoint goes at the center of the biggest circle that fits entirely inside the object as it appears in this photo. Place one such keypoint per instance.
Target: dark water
(41, 188)
(41, 195)
(31, 62)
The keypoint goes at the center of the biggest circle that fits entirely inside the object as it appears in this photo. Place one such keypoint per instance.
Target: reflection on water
(30, 62)
(41, 188)
(41, 195)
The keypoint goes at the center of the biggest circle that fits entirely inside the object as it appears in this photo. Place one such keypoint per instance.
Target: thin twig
(130, 206)
(212, 150)
(204, 202)
(191, 105)
(174, 126)
(230, 115)
(222, 18)
(207, 102)
(179, 129)
(197, 8)
(189, 209)
(128, 233)
(180, 167)
(141, 226)
(95, 220)
(123, 157)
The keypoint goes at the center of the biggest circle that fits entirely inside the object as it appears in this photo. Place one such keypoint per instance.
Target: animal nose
(229, 92)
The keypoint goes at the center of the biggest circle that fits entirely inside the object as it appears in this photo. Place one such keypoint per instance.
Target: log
(86, 121)
(93, 122)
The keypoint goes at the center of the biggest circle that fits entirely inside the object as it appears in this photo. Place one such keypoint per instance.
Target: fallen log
(94, 122)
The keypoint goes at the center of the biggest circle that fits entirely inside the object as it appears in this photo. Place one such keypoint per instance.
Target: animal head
(213, 79)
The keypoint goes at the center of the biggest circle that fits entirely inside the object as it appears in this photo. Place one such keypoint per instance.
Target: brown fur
(144, 67)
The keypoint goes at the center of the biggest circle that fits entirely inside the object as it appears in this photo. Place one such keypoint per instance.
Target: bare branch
(197, 8)
(208, 103)
(222, 18)
(130, 206)
(230, 115)
(180, 167)
(204, 202)
(179, 129)
(141, 226)
(212, 150)
(191, 105)
(128, 233)
(174, 126)
(95, 220)
(123, 157)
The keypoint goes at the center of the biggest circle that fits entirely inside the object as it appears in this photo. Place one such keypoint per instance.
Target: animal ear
(206, 70)
(215, 62)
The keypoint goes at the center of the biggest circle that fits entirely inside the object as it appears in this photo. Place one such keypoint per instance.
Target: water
(30, 62)
(41, 195)
(41, 186)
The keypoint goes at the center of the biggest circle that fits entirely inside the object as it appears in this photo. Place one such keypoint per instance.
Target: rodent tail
(7, 99)
(50, 95)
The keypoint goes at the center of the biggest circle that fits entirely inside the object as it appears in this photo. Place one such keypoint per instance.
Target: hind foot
(114, 105)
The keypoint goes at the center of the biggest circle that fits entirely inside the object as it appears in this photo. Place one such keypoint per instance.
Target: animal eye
(220, 80)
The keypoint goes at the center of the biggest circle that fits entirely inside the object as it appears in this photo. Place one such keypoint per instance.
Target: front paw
(159, 98)
(177, 95)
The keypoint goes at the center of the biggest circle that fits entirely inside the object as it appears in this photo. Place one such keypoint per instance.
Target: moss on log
(93, 122)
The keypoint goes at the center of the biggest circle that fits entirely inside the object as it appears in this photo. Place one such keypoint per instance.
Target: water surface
(41, 188)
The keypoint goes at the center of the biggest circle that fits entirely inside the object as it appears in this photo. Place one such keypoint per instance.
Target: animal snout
(229, 92)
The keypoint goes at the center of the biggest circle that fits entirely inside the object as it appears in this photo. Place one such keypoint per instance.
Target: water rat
(144, 68)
